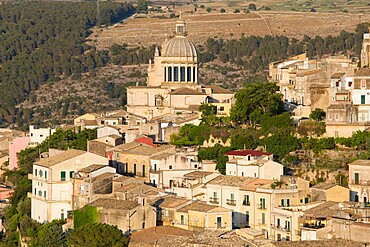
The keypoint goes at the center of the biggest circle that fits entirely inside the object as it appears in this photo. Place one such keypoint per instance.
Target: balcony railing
(246, 203)
(261, 206)
(313, 226)
(214, 200)
(231, 202)
(280, 228)
(33, 177)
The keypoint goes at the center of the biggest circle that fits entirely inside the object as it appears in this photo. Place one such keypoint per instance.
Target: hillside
(150, 29)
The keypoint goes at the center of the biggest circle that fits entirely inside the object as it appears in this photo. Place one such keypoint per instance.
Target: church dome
(180, 47)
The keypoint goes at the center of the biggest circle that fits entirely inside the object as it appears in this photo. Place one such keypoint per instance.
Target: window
(306, 200)
(194, 72)
(134, 169)
(214, 194)
(170, 167)
(46, 174)
(349, 84)
(188, 72)
(158, 100)
(35, 172)
(165, 74)
(285, 202)
(232, 197)
(357, 178)
(182, 73)
(169, 73)
(247, 218)
(222, 108)
(182, 220)
(45, 194)
(175, 74)
(263, 218)
(40, 193)
(63, 176)
(246, 200)
(35, 191)
(143, 170)
(363, 83)
(278, 222)
(262, 203)
(362, 99)
(71, 174)
(287, 225)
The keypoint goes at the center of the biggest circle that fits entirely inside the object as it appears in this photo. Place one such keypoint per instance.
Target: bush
(236, 11)
(208, 9)
(222, 10)
(86, 215)
(252, 6)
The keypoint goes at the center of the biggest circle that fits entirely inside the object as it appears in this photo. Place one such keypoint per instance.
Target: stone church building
(172, 85)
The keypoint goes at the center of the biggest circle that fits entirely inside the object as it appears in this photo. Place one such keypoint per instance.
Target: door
(219, 219)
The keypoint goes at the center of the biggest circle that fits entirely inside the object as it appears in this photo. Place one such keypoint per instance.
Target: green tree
(51, 234)
(97, 235)
(222, 10)
(208, 9)
(252, 7)
(318, 114)
(256, 101)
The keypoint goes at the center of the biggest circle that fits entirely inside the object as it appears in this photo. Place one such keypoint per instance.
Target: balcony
(261, 206)
(313, 226)
(246, 203)
(214, 200)
(231, 202)
(280, 228)
(38, 178)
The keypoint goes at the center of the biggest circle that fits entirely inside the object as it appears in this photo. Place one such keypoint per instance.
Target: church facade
(172, 84)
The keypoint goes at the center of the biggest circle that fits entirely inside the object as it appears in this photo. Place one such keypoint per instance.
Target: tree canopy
(97, 235)
(256, 101)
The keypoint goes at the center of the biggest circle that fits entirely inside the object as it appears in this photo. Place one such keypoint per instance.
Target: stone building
(359, 180)
(173, 83)
(329, 192)
(365, 52)
(128, 216)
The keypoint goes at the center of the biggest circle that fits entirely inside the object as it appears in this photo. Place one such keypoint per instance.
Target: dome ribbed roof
(180, 46)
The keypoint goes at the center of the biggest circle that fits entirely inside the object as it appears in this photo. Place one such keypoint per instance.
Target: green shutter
(63, 176)
(71, 174)
(362, 99)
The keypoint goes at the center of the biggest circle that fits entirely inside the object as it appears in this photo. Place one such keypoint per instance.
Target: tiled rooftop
(115, 204)
(58, 158)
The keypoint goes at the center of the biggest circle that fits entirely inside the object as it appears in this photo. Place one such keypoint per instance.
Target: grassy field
(355, 6)
(150, 29)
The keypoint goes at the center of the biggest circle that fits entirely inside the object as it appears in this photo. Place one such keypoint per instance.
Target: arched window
(194, 72)
(182, 73)
(158, 100)
(169, 73)
(175, 73)
(165, 74)
(188, 71)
